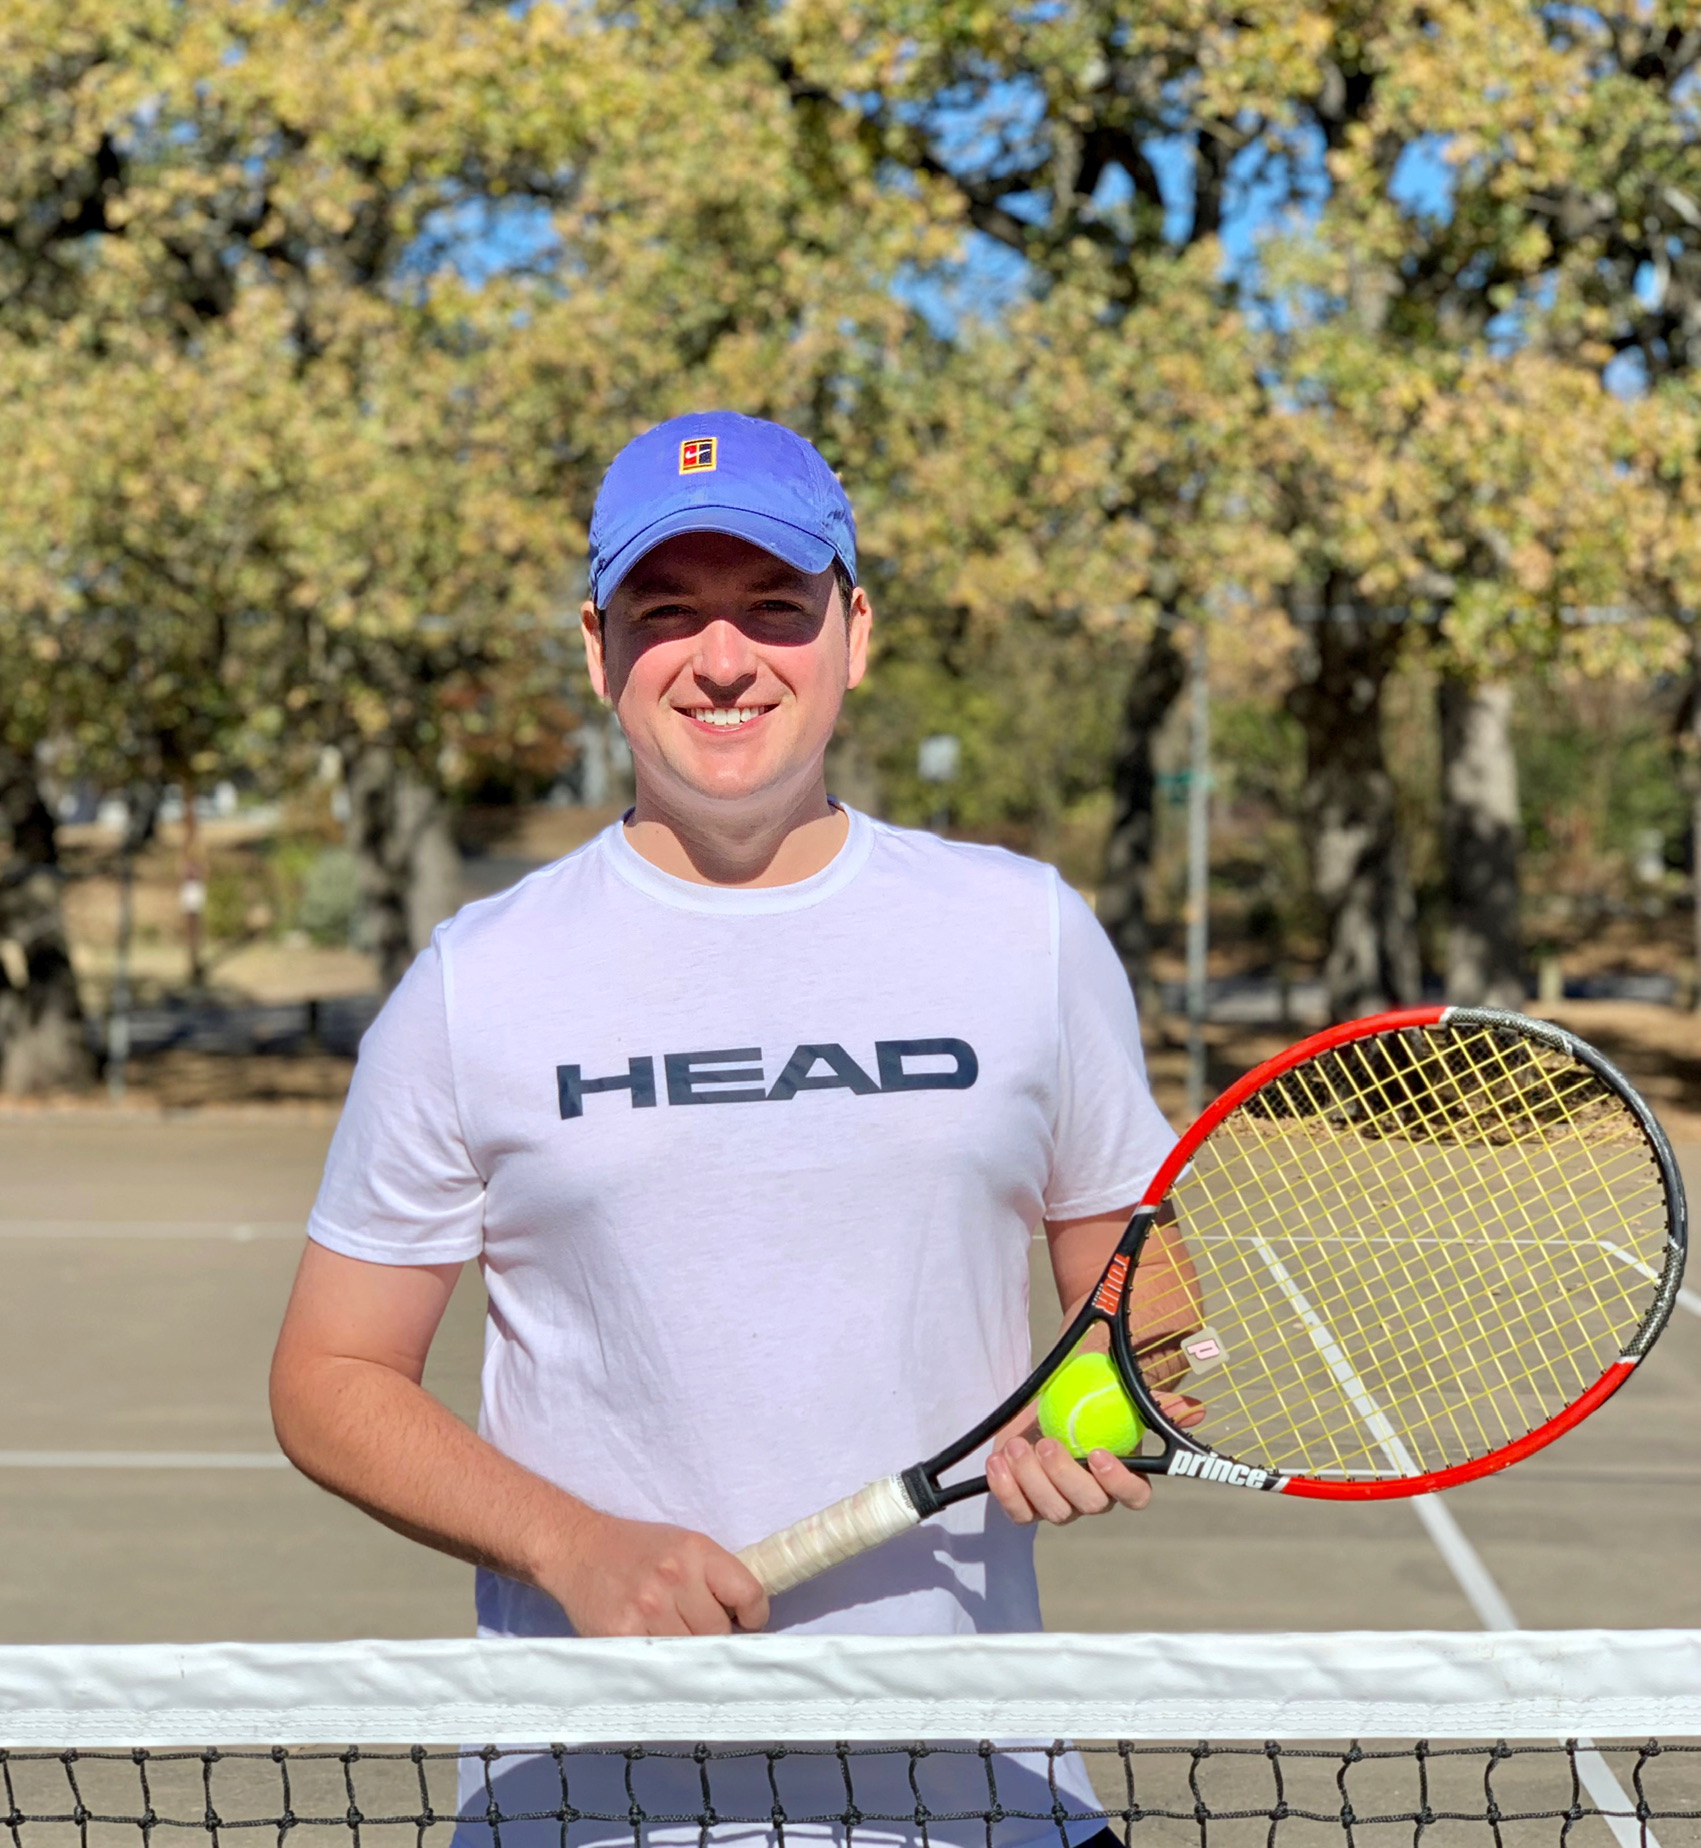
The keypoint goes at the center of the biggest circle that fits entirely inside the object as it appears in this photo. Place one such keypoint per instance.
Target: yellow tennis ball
(1084, 1406)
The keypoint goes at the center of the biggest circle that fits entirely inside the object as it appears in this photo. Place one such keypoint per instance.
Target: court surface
(146, 1262)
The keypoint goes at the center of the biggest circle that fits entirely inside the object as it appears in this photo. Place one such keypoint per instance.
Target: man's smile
(724, 718)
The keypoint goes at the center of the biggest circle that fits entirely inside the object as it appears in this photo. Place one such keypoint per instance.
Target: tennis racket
(1405, 1253)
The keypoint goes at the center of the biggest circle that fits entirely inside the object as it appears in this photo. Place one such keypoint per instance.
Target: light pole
(937, 761)
(119, 1001)
(1198, 867)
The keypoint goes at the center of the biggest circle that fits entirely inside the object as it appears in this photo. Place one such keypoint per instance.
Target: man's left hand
(1036, 1479)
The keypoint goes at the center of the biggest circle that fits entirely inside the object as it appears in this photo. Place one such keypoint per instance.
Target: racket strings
(1416, 1248)
(1326, 1295)
(1481, 1279)
(1511, 1206)
(1502, 1285)
(1347, 1324)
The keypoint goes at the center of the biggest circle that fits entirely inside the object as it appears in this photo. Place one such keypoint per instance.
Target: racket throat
(924, 1497)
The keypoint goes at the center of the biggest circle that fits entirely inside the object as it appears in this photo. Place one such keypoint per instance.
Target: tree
(1562, 168)
(1560, 216)
(1083, 474)
(384, 283)
(328, 483)
(1093, 150)
(1488, 500)
(42, 1043)
(1664, 537)
(1527, 523)
(1339, 455)
(1481, 831)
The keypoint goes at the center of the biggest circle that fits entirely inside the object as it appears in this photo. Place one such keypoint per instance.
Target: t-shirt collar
(742, 901)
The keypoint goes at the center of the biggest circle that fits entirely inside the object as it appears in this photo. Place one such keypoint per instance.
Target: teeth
(728, 716)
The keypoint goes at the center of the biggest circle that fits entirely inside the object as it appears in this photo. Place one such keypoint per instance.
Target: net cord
(1368, 1685)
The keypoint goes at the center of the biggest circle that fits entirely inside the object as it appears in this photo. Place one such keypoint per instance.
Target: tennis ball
(1083, 1405)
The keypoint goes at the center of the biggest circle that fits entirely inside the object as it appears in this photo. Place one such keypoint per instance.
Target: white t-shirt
(752, 1176)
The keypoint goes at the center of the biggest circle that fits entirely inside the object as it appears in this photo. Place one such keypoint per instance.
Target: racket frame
(1179, 1450)
(921, 1482)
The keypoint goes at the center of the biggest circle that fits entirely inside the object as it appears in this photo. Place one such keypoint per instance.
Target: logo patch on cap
(697, 455)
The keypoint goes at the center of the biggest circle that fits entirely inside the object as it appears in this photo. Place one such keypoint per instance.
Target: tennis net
(1577, 1737)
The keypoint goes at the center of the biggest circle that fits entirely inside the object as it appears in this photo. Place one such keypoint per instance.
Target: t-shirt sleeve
(1110, 1138)
(400, 1186)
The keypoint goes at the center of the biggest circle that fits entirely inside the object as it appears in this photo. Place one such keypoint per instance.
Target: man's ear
(859, 622)
(596, 665)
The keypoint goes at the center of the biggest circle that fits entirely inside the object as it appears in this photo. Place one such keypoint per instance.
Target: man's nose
(725, 663)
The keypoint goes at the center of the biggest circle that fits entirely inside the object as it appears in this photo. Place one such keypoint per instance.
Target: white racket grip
(861, 1521)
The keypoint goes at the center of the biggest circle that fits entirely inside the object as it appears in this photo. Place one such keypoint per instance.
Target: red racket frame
(1106, 1303)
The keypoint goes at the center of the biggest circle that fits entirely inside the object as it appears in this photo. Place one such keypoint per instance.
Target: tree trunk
(192, 887)
(1359, 869)
(398, 831)
(1479, 786)
(1122, 906)
(43, 1042)
(1694, 769)
(141, 816)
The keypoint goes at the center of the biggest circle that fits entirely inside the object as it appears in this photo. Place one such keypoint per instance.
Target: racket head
(1417, 1248)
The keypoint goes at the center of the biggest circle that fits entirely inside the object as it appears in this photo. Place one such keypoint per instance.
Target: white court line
(1465, 1563)
(1485, 1597)
(143, 1459)
(1401, 1241)
(1375, 1419)
(1686, 1299)
(1495, 1613)
(240, 1232)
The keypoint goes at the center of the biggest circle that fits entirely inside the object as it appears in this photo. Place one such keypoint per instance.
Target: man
(747, 1110)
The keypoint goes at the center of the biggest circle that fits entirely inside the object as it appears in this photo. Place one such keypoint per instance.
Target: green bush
(330, 897)
(228, 899)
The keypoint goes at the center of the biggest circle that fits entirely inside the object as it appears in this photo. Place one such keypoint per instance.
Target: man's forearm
(374, 1437)
(349, 1412)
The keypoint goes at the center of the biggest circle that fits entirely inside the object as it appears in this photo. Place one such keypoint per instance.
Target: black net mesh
(977, 1795)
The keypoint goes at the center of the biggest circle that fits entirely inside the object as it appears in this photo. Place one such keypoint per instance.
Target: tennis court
(142, 1501)
(141, 1498)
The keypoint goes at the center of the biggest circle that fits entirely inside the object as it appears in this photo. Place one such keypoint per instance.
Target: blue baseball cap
(719, 472)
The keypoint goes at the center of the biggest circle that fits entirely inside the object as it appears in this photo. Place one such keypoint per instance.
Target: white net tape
(1365, 1685)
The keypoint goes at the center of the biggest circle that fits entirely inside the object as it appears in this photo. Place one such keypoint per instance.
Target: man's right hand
(351, 1413)
(644, 1578)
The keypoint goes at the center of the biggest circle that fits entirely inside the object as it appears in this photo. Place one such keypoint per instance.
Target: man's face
(727, 668)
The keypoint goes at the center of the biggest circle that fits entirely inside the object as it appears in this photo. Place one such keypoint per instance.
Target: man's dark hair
(846, 584)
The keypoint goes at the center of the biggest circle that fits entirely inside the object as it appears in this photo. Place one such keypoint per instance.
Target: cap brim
(802, 551)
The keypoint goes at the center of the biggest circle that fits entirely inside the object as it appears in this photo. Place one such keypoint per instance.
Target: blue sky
(1266, 194)
(483, 238)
